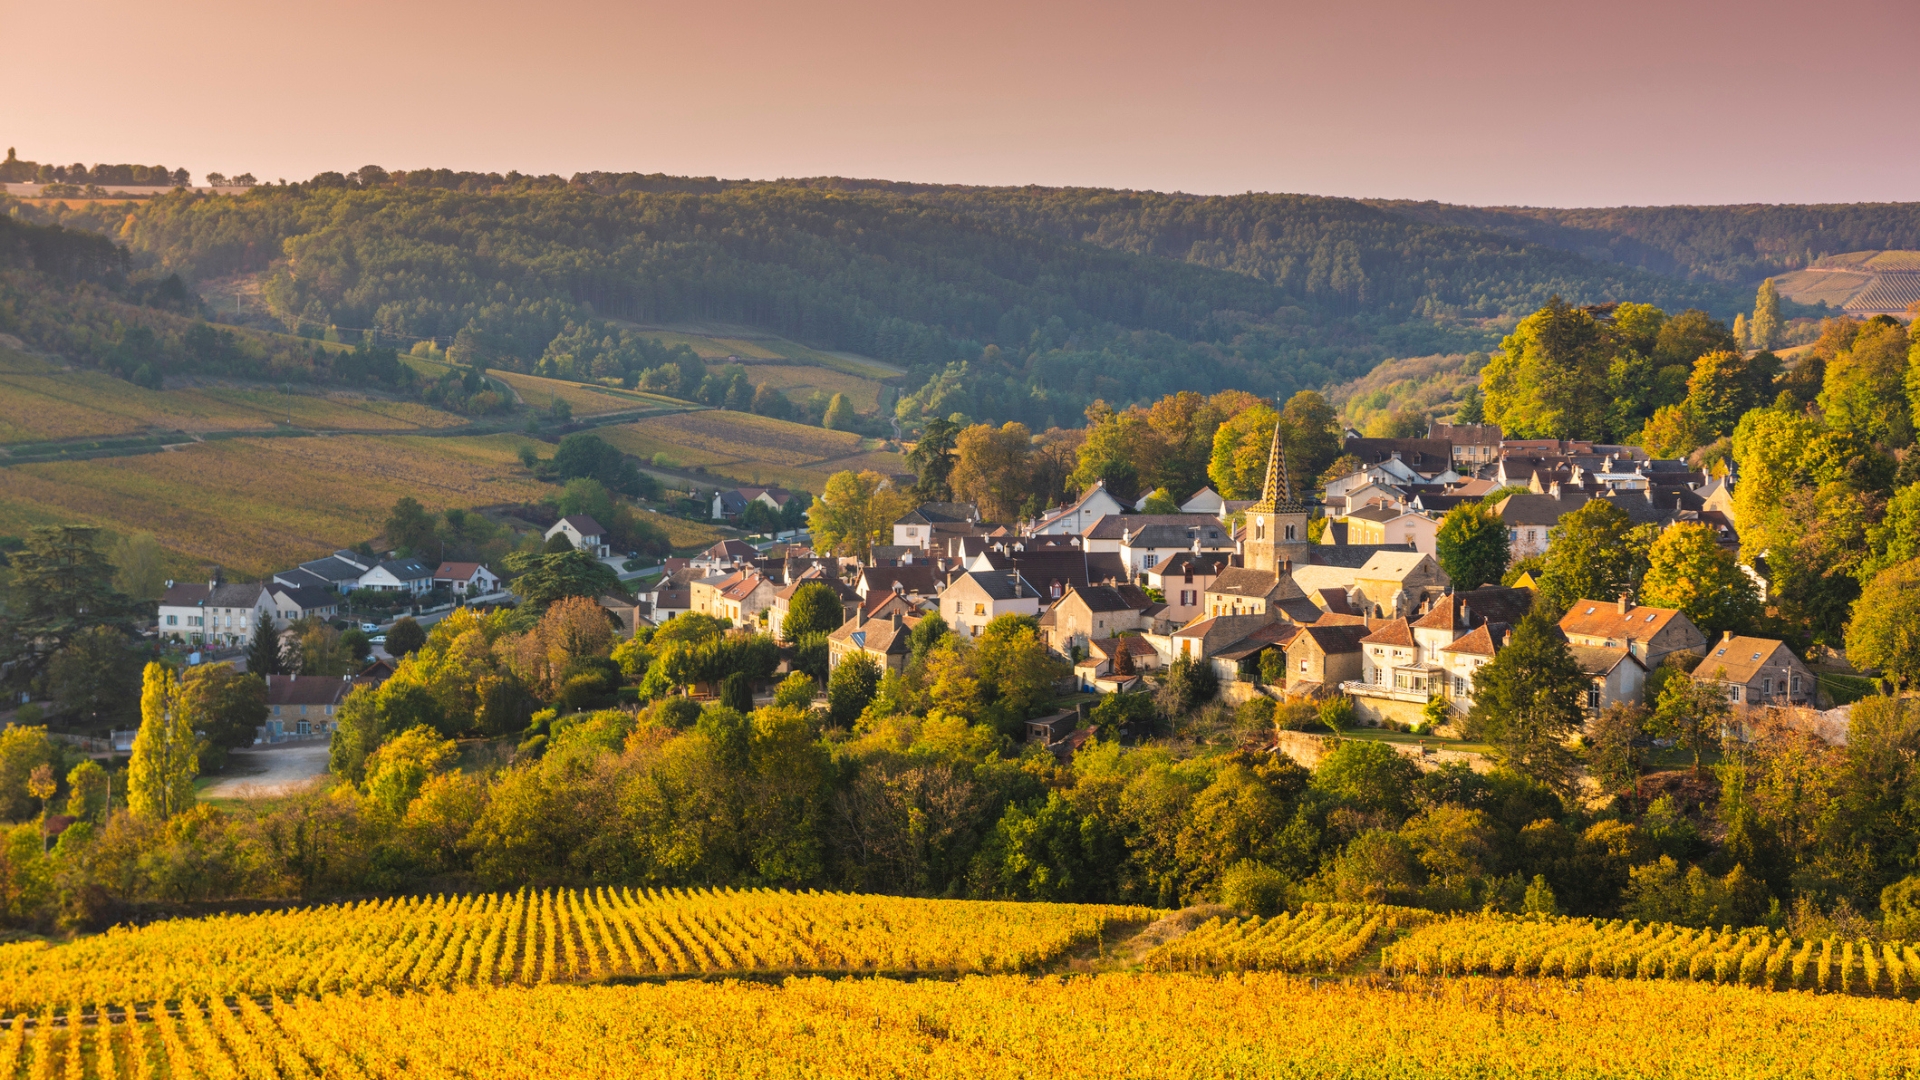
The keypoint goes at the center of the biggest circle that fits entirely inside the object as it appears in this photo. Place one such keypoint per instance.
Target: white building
(212, 613)
(399, 575)
(975, 599)
(1095, 504)
(584, 533)
(466, 579)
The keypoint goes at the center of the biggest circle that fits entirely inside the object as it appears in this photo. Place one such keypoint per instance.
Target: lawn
(750, 449)
(253, 506)
(39, 402)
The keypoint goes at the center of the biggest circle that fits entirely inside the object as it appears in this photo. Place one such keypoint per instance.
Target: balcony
(1357, 688)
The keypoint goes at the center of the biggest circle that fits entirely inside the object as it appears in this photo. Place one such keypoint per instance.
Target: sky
(1540, 103)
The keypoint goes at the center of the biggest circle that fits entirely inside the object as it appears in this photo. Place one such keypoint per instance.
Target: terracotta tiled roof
(1604, 619)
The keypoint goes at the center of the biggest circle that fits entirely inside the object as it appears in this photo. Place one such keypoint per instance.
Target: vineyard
(40, 401)
(254, 506)
(987, 1028)
(583, 399)
(551, 936)
(1573, 948)
(1319, 937)
(749, 448)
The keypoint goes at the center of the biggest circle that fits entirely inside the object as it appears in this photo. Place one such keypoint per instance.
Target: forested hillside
(1010, 304)
(1002, 303)
(1733, 244)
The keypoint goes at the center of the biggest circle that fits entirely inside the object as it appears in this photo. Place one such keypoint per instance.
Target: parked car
(377, 639)
(369, 627)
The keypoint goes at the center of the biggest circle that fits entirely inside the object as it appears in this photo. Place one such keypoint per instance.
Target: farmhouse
(304, 705)
(731, 504)
(292, 603)
(886, 640)
(1323, 656)
(740, 596)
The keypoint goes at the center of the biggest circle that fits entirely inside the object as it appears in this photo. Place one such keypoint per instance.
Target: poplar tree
(1763, 330)
(165, 752)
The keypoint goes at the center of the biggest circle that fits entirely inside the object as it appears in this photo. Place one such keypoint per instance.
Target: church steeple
(1277, 494)
(1277, 524)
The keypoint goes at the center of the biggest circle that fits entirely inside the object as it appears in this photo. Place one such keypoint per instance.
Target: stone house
(1651, 634)
(1757, 672)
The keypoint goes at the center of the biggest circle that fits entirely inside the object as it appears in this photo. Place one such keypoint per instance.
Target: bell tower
(1277, 524)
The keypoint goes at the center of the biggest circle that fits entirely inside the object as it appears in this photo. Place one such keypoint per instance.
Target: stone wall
(1308, 748)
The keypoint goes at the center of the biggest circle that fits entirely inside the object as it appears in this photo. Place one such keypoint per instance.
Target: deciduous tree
(855, 512)
(1594, 553)
(1472, 546)
(1688, 569)
(1884, 632)
(165, 751)
(992, 469)
(1526, 702)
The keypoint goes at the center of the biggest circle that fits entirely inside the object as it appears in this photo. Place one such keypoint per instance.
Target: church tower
(1277, 524)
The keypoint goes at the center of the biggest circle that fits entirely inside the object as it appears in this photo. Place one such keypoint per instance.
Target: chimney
(1623, 604)
(1726, 636)
(898, 619)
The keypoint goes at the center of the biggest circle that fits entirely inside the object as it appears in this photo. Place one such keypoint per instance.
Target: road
(265, 772)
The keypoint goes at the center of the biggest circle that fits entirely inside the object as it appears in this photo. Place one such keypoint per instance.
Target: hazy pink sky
(1500, 101)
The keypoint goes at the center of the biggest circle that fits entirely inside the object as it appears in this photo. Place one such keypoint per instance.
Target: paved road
(264, 772)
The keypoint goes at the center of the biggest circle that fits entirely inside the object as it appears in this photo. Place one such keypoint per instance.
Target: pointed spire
(1278, 492)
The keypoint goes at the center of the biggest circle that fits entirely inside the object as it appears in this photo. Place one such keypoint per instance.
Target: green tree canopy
(814, 608)
(1472, 545)
(1526, 702)
(1549, 379)
(1884, 632)
(543, 578)
(1594, 553)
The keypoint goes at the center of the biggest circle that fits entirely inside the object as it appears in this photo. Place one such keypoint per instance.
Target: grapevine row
(1574, 948)
(541, 937)
(1319, 937)
(995, 1028)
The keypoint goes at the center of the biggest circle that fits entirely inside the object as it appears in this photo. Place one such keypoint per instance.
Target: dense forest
(1732, 244)
(74, 293)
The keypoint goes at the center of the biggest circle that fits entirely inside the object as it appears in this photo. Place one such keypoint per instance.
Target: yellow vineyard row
(988, 1028)
(1319, 937)
(1573, 948)
(551, 936)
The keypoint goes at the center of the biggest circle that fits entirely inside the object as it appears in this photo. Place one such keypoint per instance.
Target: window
(1733, 694)
(1766, 689)
(1303, 667)
(173, 620)
(979, 609)
(958, 607)
(1289, 532)
(1377, 675)
(1459, 685)
(1593, 697)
